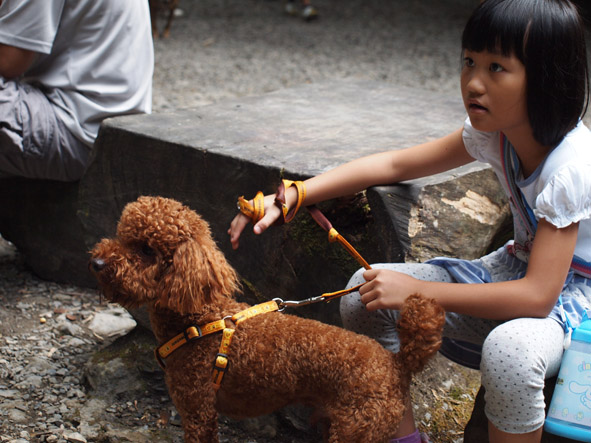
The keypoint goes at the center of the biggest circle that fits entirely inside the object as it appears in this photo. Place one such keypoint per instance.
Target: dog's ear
(199, 275)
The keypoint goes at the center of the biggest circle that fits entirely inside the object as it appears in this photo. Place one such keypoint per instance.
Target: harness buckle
(193, 333)
(220, 367)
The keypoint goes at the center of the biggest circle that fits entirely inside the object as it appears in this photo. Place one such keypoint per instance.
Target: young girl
(524, 86)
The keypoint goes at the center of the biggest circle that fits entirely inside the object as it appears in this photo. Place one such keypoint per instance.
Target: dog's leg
(171, 7)
(196, 407)
(371, 416)
(199, 429)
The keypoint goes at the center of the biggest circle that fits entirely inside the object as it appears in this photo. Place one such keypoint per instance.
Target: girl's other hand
(386, 289)
(272, 213)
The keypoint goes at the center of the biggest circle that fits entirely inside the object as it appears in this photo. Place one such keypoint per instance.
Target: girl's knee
(510, 354)
(515, 362)
(516, 348)
(351, 309)
(357, 278)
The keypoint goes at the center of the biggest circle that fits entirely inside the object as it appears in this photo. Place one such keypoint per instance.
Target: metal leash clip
(297, 303)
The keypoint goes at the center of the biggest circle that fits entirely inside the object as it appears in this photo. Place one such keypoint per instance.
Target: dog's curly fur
(164, 257)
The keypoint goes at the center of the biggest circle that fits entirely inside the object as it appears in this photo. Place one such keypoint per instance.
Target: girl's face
(494, 92)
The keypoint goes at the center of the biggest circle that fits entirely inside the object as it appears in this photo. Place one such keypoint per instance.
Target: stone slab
(206, 157)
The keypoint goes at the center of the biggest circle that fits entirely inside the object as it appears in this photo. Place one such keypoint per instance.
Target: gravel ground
(218, 50)
(228, 48)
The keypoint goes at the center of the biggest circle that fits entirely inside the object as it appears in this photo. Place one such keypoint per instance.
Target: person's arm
(383, 168)
(14, 61)
(534, 295)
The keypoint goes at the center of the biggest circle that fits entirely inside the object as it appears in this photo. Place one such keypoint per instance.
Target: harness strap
(221, 361)
(255, 310)
(191, 333)
(220, 364)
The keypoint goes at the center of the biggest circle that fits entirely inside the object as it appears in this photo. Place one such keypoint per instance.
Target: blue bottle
(570, 409)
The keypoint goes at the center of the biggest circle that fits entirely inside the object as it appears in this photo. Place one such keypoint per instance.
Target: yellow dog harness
(196, 332)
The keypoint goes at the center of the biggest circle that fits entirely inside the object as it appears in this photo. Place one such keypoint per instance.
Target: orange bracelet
(256, 210)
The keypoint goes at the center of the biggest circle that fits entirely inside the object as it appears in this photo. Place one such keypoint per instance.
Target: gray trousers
(34, 143)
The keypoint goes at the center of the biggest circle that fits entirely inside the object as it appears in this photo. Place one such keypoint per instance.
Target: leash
(256, 211)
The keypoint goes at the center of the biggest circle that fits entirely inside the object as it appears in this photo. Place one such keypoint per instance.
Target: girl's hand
(386, 289)
(272, 213)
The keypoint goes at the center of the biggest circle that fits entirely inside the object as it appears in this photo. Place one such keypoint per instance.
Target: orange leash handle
(256, 210)
(289, 214)
(333, 236)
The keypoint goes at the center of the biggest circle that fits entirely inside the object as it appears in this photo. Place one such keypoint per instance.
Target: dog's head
(163, 255)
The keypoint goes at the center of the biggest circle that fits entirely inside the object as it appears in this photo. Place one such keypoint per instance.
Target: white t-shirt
(96, 57)
(558, 191)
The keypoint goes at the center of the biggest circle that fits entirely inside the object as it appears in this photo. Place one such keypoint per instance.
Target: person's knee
(509, 361)
(357, 278)
(351, 309)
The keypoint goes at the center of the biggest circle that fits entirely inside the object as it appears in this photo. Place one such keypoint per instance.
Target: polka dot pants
(517, 355)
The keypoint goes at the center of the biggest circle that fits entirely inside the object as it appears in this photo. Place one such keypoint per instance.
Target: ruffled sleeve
(566, 197)
(479, 144)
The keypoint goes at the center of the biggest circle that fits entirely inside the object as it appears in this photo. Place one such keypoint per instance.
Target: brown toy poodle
(164, 257)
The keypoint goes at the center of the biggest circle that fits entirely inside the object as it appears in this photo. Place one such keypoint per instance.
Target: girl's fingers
(236, 228)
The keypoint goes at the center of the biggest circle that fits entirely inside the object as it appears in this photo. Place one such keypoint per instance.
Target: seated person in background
(65, 65)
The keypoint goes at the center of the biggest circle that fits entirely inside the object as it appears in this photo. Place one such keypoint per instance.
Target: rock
(434, 217)
(113, 377)
(8, 393)
(18, 416)
(112, 323)
(31, 381)
(68, 328)
(74, 437)
(40, 365)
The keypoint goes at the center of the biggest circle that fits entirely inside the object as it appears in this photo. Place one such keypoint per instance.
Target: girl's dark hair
(548, 37)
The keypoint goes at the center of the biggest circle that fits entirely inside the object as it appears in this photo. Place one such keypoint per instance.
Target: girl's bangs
(496, 28)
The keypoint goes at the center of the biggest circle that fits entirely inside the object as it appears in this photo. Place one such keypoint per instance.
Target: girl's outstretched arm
(378, 169)
(532, 296)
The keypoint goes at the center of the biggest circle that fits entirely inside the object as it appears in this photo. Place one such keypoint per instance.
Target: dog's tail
(420, 328)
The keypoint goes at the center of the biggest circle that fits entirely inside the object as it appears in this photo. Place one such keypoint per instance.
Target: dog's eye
(147, 250)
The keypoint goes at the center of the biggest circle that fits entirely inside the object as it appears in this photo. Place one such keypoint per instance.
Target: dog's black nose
(97, 264)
